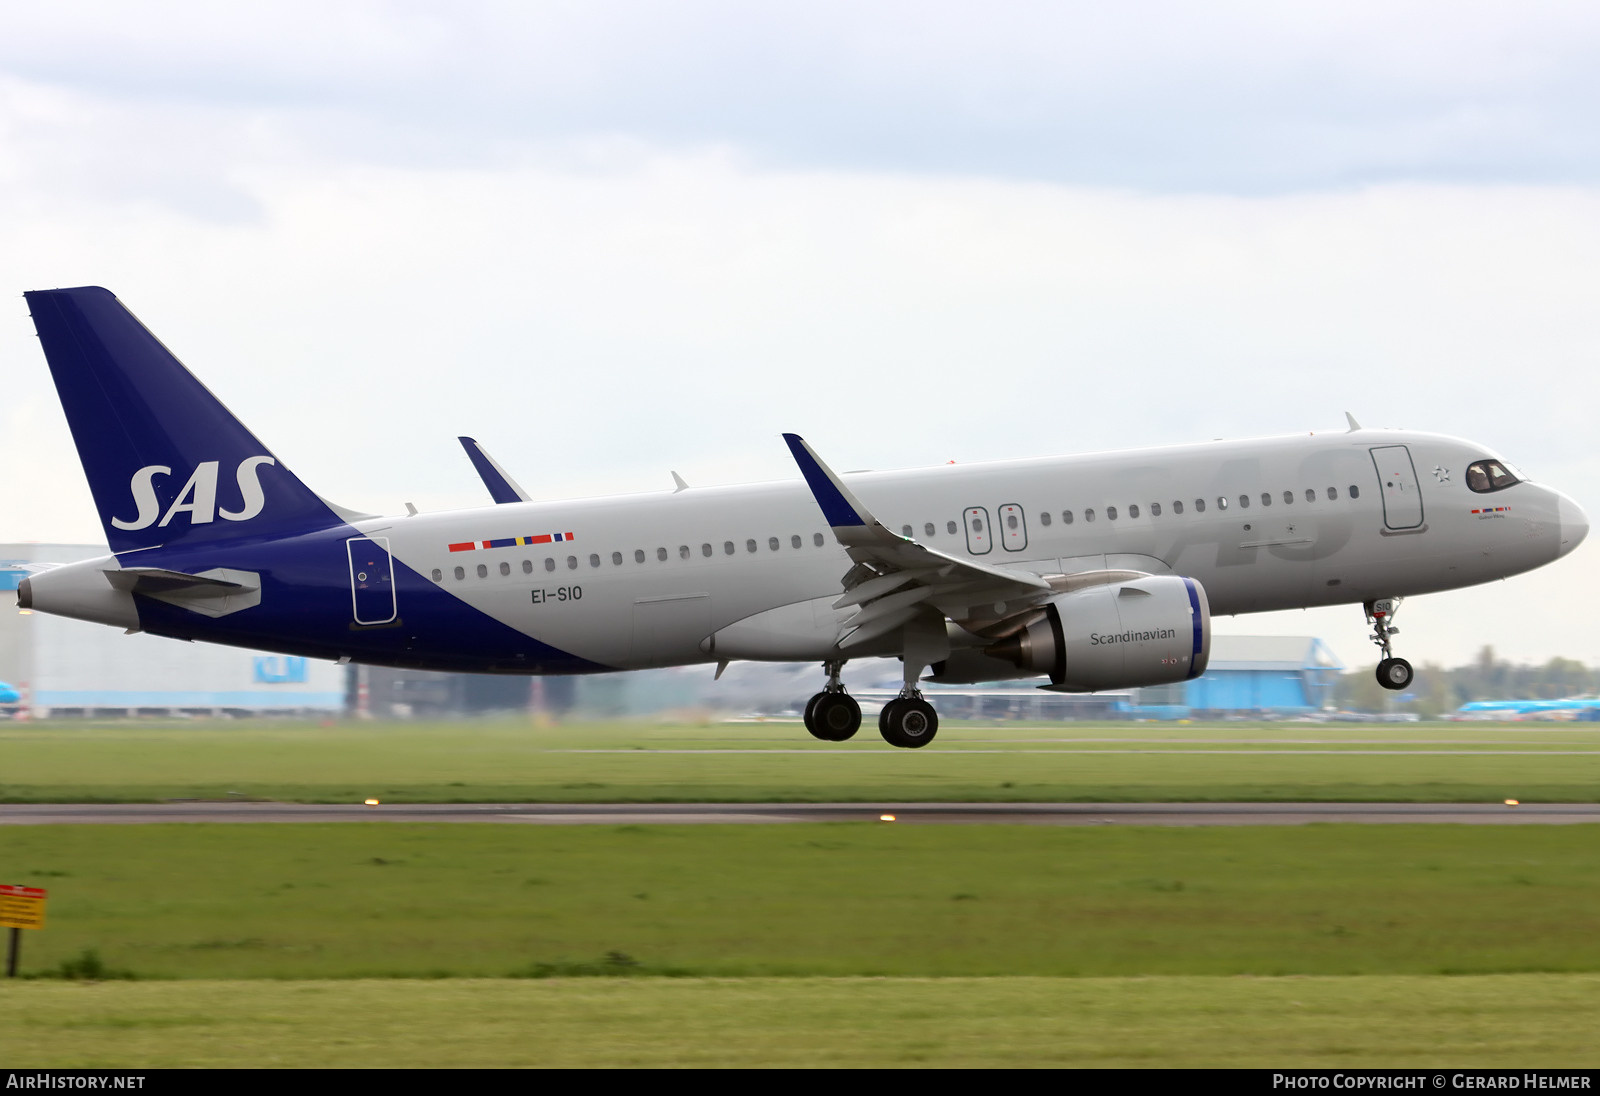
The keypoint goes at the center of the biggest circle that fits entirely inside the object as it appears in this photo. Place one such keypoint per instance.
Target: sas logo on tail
(198, 498)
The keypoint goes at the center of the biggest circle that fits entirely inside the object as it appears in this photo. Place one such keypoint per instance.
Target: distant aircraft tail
(166, 461)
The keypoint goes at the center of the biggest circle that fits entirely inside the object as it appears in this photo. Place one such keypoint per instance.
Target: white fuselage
(1265, 524)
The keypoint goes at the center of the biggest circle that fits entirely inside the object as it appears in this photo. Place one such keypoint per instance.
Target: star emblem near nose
(1440, 474)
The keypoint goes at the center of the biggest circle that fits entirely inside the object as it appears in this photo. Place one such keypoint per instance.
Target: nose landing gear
(833, 714)
(1393, 673)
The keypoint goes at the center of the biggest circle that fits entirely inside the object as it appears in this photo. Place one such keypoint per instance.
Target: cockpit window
(1489, 475)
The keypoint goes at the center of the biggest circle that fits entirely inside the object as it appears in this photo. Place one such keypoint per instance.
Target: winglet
(842, 509)
(502, 488)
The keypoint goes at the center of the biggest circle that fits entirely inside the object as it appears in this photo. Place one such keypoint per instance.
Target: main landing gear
(833, 714)
(908, 721)
(1393, 673)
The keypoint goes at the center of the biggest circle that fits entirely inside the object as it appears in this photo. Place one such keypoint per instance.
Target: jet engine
(1147, 631)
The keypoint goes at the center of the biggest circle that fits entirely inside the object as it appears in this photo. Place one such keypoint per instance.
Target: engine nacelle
(1147, 631)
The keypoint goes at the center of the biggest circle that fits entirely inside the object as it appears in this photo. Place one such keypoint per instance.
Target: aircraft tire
(1394, 673)
(833, 717)
(811, 713)
(907, 723)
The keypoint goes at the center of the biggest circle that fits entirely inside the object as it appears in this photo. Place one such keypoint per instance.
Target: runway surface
(596, 814)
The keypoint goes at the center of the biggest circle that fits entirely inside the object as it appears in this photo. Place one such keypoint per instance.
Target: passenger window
(1111, 513)
(594, 559)
(1177, 507)
(1199, 506)
(1155, 509)
(1333, 493)
(1222, 502)
(1355, 492)
(616, 559)
(727, 547)
(505, 569)
(1288, 498)
(927, 529)
(1311, 494)
(794, 541)
(950, 527)
(572, 563)
(750, 545)
(705, 550)
(1088, 515)
(638, 555)
(905, 531)
(1133, 510)
(1044, 518)
(1266, 498)
(661, 555)
(816, 538)
(1066, 517)
(1244, 502)
(437, 574)
(549, 563)
(772, 544)
(527, 566)
(483, 570)
(1011, 521)
(977, 525)
(460, 574)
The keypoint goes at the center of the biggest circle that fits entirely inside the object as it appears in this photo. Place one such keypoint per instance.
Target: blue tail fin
(166, 461)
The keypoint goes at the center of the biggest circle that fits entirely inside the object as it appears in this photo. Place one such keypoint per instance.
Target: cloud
(1244, 97)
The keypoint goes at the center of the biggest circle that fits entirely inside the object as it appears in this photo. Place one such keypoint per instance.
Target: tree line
(1438, 691)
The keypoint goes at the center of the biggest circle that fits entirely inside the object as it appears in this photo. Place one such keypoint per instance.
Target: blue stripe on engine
(1199, 630)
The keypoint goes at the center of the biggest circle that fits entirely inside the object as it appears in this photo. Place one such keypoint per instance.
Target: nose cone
(1574, 525)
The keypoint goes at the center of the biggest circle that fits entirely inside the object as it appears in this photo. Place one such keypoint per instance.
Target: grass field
(823, 944)
(1502, 1020)
(645, 762)
(833, 899)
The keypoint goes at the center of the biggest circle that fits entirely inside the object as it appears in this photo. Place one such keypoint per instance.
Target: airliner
(1089, 572)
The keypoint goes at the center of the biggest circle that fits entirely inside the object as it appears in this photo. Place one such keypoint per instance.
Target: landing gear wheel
(908, 723)
(833, 717)
(1394, 673)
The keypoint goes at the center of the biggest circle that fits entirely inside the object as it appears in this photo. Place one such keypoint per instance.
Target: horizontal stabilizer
(212, 593)
(159, 580)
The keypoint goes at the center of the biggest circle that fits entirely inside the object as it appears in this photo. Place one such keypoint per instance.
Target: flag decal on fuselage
(511, 542)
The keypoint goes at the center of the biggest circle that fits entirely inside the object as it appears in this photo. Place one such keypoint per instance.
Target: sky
(612, 240)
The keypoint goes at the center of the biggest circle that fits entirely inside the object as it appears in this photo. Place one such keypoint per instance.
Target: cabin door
(371, 580)
(1397, 479)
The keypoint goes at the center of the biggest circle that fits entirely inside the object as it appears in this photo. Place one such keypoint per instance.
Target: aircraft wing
(502, 488)
(896, 578)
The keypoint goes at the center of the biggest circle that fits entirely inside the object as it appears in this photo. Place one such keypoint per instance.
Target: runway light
(886, 818)
(1511, 803)
(372, 802)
